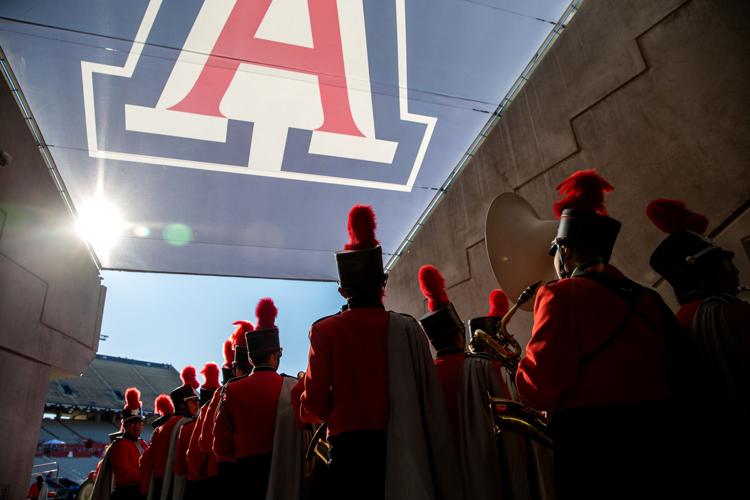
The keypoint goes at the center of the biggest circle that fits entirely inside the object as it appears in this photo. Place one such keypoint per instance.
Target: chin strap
(562, 272)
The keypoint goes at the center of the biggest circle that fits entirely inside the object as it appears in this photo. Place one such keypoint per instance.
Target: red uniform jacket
(180, 466)
(206, 440)
(154, 460)
(34, 492)
(124, 458)
(246, 417)
(147, 469)
(449, 369)
(197, 459)
(346, 383)
(573, 317)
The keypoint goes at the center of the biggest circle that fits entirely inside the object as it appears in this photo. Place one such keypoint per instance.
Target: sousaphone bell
(517, 242)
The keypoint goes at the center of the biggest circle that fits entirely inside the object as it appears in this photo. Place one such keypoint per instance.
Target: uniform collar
(263, 369)
(357, 302)
(590, 266)
(448, 351)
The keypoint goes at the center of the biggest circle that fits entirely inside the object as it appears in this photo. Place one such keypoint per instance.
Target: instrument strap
(630, 292)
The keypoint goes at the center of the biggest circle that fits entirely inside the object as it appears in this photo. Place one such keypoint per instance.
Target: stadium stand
(59, 431)
(82, 412)
(102, 385)
(98, 431)
(44, 435)
(75, 469)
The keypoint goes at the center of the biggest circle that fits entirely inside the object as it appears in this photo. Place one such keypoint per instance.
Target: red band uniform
(705, 282)
(119, 471)
(347, 385)
(597, 359)
(156, 461)
(246, 416)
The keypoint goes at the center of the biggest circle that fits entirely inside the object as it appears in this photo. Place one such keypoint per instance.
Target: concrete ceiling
(230, 137)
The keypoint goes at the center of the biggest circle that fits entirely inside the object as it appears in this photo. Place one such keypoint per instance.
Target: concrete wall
(654, 94)
(51, 299)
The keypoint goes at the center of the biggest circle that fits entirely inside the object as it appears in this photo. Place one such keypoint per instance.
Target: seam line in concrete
(2, 221)
(22, 355)
(598, 101)
(44, 302)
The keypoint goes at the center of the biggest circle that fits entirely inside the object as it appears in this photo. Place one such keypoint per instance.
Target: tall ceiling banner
(230, 137)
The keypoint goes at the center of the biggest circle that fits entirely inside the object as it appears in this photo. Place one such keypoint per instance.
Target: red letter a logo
(237, 44)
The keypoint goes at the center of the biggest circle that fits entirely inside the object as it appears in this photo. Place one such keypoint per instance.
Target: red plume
(498, 303)
(584, 190)
(361, 228)
(432, 284)
(210, 374)
(238, 337)
(228, 352)
(672, 215)
(189, 377)
(266, 312)
(163, 405)
(132, 398)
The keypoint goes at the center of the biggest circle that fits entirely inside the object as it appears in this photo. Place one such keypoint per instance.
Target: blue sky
(183, 319)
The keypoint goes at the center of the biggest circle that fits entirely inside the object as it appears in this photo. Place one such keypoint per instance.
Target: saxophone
(512, 416)
(319, 447)
(502, 345)
(509, 415)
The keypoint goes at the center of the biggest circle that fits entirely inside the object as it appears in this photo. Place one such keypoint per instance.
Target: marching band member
(200, 463)
(237, 360)
(597, 360)
(119, 473)
(160, 456)
(370, 377)
(163, 407)
(255, 423)
(489, 468)
(194, 473)
(705, 281)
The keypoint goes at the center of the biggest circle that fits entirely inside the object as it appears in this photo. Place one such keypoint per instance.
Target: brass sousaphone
(518, 241)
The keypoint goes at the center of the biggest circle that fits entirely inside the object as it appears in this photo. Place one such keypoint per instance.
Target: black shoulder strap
(325, 317)
(627, 290)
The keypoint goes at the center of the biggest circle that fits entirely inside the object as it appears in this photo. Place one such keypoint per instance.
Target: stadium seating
(75, 469)
(59, 431)
(44, 435)
(102, 386)
(97, 431)
(88, 408)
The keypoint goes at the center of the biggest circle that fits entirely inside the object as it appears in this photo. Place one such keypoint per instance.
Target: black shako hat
(491, 323)
(227, 371)
(133, 409)
(239, 343)
(265, 338)
(360, 264)
(210, 372)
(584, 223)
(686, 255)
(187, 390)
(165, 408)
(442, 323)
